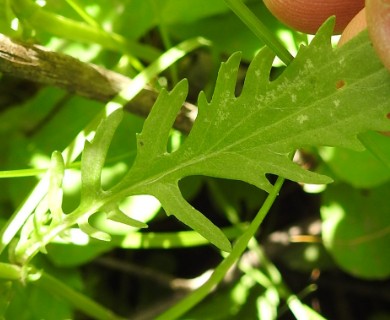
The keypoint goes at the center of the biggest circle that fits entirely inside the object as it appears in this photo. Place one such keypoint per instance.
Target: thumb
(355, 26)
(378, 23)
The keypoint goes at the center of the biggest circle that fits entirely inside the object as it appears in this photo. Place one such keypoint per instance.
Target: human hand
(351, 18)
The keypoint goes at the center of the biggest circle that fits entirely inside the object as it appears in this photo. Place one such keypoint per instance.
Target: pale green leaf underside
(325, 97)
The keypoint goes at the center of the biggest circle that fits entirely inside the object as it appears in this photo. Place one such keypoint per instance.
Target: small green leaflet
(325, 97)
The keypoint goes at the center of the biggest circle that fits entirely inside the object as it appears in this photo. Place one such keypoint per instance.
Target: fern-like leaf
(325, 97)
(322, 98)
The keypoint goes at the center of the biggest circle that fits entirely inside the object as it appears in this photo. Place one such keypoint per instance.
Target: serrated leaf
(174, 204)
(152, 141)
(151, 162)
(55, 193)
(115, 214)
(322, 98)
(91, 231)
(94, 155)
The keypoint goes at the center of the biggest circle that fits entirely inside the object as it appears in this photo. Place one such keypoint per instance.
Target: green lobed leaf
(115, 214)
(55, 194)
(322, 98)
(94, 155)
(91, 231)
(7, 294)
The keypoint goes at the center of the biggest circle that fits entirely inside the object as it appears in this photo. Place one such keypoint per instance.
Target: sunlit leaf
(94, 156)
(356, 229)
(318, 100)
(361, 169)
(57, 172)
(247, 137)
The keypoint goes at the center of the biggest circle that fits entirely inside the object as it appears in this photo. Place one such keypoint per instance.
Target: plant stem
(273, 279)
(10, 271)
(259, 29)
(166, 60)
(80, 301)
(41, 19)
(59, 289)
(195, 297)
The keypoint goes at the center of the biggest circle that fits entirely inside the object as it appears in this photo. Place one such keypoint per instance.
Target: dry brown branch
(35, 63)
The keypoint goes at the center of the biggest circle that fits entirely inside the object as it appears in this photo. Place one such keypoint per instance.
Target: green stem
(168, 44)
(57, 288)
(270, 277)
(166, 60)
(170, 240)
(22, 173)
(10, 271)
(274, 279)
(84, 15)
(195, 297)
(78, 300)
(259, 29)
(38, 18)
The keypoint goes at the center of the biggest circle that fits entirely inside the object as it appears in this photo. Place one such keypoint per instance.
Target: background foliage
(58, 267)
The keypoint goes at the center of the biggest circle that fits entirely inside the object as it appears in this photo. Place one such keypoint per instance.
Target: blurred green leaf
(32, 303)
(73, 255)
(267, 304)
(141, 16)
(6, 294)
(356, 229)
(242, 197)
(305, 257)
(359, 169)
(230, 35)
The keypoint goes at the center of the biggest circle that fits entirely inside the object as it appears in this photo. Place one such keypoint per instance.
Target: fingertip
(308, 15)
(378, 24)
(357, 24)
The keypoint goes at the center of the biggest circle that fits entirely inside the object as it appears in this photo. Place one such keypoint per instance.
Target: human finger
(378, 24)
(355, 26)
(308, 15)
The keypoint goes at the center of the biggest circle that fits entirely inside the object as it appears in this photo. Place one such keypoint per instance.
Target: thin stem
(169, 240)
(259, 29)
(10, 271)
(41, 19)
(57, 288)
(80, 301)
(168, 44)
(166, 60)
(195, 297)
(23, 173)
(270, 277)
(84, 15)
(275, 280)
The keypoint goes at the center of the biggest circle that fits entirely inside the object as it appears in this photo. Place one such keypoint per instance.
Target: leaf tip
(226, 247)
(180, 90)
(326, 29)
